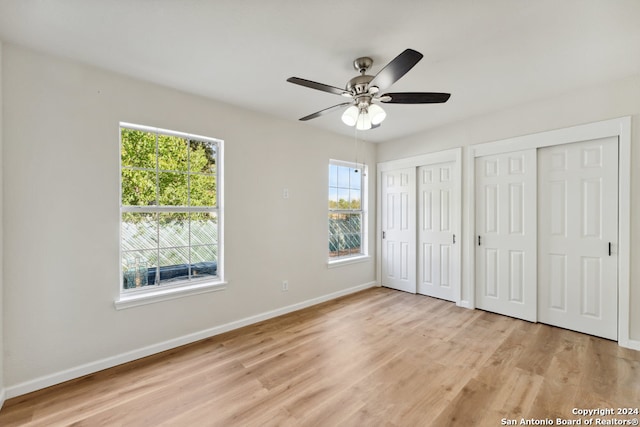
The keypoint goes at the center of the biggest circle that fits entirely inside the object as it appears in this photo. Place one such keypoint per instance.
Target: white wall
(62, 216)
(590, 104)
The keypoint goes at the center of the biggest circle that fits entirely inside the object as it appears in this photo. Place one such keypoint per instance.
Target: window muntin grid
(169, 208)
(346, 216)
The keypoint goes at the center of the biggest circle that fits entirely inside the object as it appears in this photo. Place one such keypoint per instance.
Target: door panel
(398, 230)
(516, 276)
(506, 234)
(437, 259)
(578, 218)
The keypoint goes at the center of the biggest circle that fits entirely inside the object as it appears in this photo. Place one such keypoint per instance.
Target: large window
(347, 216)
(170, 218)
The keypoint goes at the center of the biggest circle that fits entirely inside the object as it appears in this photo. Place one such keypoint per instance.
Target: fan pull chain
(364, 157)
(355, 145)
(356, 148)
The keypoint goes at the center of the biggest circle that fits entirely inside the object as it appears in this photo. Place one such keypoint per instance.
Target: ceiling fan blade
(395, 69)
(415, 98)
(318, 86)
(325, 111)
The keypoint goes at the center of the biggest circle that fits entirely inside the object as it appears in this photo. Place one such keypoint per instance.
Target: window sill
(151, 297)
(347, 261)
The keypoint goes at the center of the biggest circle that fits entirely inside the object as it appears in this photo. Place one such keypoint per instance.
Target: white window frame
(364, 235)
(136, 297)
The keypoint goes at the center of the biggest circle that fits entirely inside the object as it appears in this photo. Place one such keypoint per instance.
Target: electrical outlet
(285, 285)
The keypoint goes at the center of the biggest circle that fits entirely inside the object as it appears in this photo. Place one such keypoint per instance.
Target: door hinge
(478, 240)
(454, 239)
(384, 234)
(609, 248)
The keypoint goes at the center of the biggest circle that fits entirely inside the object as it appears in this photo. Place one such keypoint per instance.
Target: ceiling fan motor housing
(359, 85)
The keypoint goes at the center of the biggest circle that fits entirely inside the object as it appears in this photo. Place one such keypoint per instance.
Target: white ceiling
(489, 54)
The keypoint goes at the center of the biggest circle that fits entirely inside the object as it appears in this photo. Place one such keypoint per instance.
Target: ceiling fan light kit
(364, 121)
(377, 114)
(350, 116)
(363, 110)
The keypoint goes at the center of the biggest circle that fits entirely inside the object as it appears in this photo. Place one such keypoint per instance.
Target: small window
(347, 213)
(170, 216)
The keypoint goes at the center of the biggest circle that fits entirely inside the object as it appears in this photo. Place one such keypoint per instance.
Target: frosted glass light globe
(364, 121)
(377, 114)
(350, 116)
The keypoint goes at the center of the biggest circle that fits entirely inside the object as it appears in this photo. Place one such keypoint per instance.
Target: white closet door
(578, 222)
(399, 229)
(437, 259)
(506, 234)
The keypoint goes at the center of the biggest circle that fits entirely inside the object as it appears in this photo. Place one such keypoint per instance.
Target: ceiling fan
(364, 91)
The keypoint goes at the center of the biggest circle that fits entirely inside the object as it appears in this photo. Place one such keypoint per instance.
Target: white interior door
(399, 229)
(437, 259)
(506, 234)
(578, 236)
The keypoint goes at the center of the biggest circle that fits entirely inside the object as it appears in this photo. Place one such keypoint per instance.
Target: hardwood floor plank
(375, 358)
(515, 397)
(469, 406)
(541, 346)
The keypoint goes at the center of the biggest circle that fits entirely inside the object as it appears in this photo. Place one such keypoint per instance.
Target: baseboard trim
(632, 344)
(3, 397)
(464, 304)
(109, 362)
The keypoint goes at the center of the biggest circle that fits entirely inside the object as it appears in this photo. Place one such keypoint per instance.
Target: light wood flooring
(375, 358)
